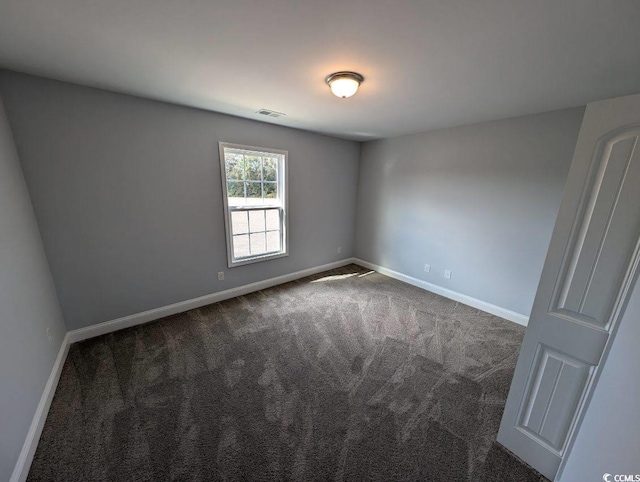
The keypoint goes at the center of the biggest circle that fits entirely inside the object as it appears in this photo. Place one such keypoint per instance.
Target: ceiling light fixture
(344, 84)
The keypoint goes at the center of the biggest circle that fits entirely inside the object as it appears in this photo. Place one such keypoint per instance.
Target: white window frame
(283, 206)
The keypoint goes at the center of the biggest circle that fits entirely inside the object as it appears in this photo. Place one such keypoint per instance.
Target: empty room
(300, 241)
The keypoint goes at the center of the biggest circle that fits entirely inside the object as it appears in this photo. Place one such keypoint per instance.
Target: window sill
(257, 259)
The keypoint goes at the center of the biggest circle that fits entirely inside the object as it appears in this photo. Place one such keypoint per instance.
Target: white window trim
(283, 181)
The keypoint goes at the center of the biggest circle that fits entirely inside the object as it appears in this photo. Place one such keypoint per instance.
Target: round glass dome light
(344, 84)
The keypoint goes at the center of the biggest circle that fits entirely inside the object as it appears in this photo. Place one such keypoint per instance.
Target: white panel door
(590, 268)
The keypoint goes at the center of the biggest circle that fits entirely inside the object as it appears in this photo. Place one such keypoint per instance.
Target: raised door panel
(554, 390)
(606, 237)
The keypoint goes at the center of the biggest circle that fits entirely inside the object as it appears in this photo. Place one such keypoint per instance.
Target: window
(255, 202)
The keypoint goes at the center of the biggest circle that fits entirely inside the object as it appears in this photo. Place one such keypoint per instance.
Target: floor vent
(270, 113)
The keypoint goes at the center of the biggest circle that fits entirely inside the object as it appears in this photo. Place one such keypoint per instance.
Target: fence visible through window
(255, 231)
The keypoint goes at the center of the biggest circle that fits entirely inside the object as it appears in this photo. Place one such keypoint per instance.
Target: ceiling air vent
(270, 113)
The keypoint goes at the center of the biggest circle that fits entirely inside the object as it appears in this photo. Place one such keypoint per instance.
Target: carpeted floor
(346, 375)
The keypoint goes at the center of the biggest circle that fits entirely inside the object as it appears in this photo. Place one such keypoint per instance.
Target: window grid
(250, 232)
(244, 178)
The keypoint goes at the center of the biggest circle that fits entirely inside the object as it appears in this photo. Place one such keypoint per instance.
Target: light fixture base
(345, 73)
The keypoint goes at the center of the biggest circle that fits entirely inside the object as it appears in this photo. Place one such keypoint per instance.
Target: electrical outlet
(339, 249)
(447, 274)
(220, 275)
(427, 268)
(49, 335)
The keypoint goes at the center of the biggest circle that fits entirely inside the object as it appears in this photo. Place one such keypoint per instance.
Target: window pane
(273, 241)
(270, 169)
(254, 189)
(256, 221)
(253, 168)
(239, 222)
(241, 246)
(254, 193)
(235, 188)
(270, 190)
(273, 219)
(234, 164)
(258, 244)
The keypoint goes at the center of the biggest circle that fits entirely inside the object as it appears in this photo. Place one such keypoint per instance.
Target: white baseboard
(452, 295)
(21, 470)
(146, 316)
(156, 313)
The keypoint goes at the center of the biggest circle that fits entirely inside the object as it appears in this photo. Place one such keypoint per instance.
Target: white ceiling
(427, 64)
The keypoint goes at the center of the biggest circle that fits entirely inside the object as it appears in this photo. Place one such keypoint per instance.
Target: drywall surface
(479, 200)
(127, 193)
(28, 306)
(608, 440)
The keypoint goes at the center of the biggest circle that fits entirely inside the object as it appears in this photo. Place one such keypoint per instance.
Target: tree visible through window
(255, 202)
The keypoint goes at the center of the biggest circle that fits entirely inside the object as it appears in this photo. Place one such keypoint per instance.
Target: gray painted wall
(28, 306)
(127, 194)
(609, 437)
(480, 200)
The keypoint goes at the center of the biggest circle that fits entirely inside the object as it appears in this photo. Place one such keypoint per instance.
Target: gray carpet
(346, 375)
